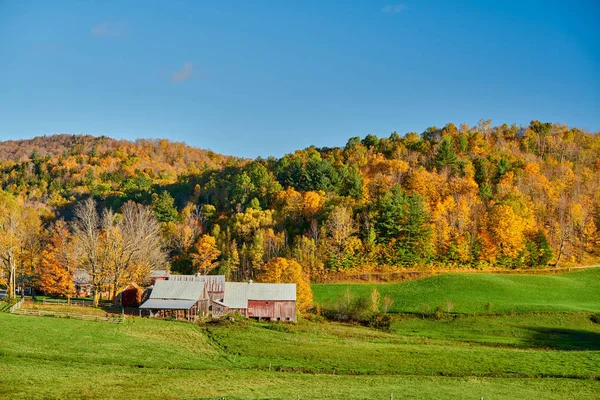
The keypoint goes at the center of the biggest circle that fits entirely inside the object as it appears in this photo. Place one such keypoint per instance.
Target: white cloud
(108, 29)
(183, 74)
(393, 8)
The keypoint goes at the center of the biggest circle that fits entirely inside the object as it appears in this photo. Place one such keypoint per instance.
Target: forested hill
(510, 196)
(158, 150)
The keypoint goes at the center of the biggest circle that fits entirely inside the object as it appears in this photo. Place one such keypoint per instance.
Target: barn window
(266, 302)
(287, 318)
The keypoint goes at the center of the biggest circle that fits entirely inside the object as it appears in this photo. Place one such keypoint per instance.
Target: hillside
(472, 197)
(474, 293)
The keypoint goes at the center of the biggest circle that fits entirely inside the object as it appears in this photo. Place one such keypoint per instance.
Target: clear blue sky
(264, 78)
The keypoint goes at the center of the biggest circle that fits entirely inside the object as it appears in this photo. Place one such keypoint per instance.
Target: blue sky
(258, 78)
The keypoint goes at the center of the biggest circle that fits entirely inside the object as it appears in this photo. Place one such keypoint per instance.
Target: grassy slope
(469, 293)
(58, 358)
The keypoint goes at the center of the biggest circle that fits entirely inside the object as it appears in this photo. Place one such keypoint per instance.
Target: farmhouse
(81, 280)
(179, 299)
(214, 284)
(272, 301)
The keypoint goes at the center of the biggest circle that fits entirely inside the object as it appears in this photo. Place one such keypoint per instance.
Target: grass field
(470, 293)
(466, 357)
(545, 355)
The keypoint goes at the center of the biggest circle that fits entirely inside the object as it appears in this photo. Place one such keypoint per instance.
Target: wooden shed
(131, 296)
(177, 299)
(271, 301)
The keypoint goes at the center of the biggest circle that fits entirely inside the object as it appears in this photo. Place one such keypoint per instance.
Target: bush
(595, 318)
(380, 321)
(348, 308)
(489, 307)
(318, 318)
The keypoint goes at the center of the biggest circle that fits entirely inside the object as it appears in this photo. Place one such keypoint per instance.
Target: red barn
(158, 275)
(272, 301)
(131, 296)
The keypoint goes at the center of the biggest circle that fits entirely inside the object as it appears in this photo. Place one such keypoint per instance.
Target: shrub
(595, 318)
(489, 307)
(380, 321)
(348, 308)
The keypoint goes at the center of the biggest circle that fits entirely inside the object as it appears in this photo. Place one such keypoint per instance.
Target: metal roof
(168, 304)
(159, 273)
(213, 283)
(178, 290)
(272, 291)
(237, 294)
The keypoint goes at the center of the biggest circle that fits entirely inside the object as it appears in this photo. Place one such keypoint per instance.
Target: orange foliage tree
(55, 268)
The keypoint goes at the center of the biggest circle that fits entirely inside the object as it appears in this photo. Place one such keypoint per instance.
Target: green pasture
(555, 356)
(477, 293)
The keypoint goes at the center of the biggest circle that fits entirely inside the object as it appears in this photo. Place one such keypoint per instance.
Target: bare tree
(87, 236)
(137, 248)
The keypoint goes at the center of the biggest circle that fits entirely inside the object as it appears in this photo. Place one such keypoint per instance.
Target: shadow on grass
(564, 339)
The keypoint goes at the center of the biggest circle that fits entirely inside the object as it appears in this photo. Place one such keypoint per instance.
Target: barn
(177, 299)
(158, 275)
(271, 301)
(214, 284)
(131, 296)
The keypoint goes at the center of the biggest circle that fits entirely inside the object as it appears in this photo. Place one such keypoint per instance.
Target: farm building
(179, 299)
(214, 284)
(81, 280)
(272, 301)
(158, 275)
(131, 296)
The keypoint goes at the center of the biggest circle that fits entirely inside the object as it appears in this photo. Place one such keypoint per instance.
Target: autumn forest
(506, 197)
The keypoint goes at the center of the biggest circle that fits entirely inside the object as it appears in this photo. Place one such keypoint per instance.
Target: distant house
(178, 299)
(214, 284)
(272, 301)
(82, 282)
(159, 275)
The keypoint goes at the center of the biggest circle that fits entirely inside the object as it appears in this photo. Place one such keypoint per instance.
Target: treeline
(504, 196)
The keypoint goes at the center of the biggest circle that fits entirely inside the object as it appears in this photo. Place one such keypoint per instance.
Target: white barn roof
(237, 294)
(178, 290)
(168, 304)
(213, 283)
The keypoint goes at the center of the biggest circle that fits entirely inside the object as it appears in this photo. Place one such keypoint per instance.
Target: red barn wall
(273, 310)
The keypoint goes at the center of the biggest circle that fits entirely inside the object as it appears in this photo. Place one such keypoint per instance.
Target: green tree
(164, 207)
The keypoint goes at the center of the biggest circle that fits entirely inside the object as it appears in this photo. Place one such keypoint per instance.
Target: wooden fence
(84, 317)
(16, 306)
(76, 303)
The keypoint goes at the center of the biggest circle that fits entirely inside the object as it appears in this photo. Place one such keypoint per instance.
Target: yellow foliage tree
(282, 270)
(206, 254)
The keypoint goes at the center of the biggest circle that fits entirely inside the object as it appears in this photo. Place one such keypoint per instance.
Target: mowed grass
(499, 357)
(24, 379)
(137, 342)
(510, 348)
(470, 293)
